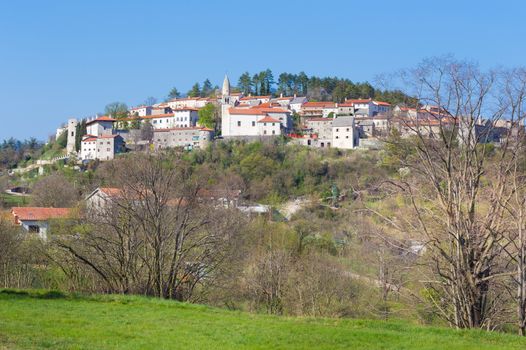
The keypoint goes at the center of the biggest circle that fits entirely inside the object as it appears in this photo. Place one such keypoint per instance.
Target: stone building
(192, 137)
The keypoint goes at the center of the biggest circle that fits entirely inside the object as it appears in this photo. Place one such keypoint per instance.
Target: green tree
(207, 116)
(245, 83)
(195, 91)
(81, 130)
(207, 88)
(174, 93)
(268, 79)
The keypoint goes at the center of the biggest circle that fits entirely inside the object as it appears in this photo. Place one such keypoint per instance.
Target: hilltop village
(355, 123)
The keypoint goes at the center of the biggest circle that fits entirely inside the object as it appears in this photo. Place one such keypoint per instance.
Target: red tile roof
(319, 105)
(104, 118)
(39, 214)
(95, 138)
(246, 111)
(268, 119)
(110, 191)
(272, 110)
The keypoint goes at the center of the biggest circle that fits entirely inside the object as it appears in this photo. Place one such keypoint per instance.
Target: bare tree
(54, 191)
(513, 99)
(457, 186)
(154, 235)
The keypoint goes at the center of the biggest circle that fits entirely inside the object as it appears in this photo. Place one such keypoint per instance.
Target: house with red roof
(103, 147)
(255, 121)
(100, 126)
(36, 219)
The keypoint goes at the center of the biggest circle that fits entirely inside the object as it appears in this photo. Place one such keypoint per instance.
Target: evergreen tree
(207, 88)
(80, 131)
(174, 93)
(195, 91)
(245, 83)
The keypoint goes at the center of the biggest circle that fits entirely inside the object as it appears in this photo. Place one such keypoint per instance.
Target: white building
(296, 103)
(366, 108)
(141, 111)
(344, 133)
(36, 220)
(179, 118)
(104, 147)
(100, 126)
(255, 121)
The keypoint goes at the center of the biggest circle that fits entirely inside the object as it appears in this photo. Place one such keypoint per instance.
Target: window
(34, 228)
(347, 129)
(346, 137)
(337, 137)
(253, 123)
(273, 124)
(108, 149)
(239, 123)
(264, 132)
(273, 132)
(337, 130)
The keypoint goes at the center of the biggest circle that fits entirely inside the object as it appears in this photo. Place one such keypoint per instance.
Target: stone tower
(226, 104)
(225, 92)
(72, 133)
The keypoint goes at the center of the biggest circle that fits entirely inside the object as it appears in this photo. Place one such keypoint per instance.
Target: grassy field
(51, 320)
(8, 200)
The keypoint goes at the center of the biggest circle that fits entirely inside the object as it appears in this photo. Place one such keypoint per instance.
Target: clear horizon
(63, 59)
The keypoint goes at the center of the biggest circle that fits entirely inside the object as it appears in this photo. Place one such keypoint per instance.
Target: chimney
(294, 95)
(281, 95)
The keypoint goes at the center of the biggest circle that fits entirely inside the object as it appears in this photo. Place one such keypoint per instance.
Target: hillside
(42, 320)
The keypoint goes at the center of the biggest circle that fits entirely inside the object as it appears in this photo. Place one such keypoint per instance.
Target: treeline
(289, 84)
(13, 151)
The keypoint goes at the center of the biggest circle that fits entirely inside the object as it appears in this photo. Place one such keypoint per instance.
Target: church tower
(225, 92)
(226, 104)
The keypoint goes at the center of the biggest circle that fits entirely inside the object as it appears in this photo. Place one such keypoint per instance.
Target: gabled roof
(104, 118)
(268, 119)
(246, 111)
(271, 110)
(39, 214)
(91, 138)
(343, 121)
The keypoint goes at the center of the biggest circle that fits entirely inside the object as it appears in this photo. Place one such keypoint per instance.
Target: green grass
(13, 201)
(52, 320)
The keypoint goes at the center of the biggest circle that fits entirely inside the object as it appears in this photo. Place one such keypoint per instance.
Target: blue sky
(61, 59)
